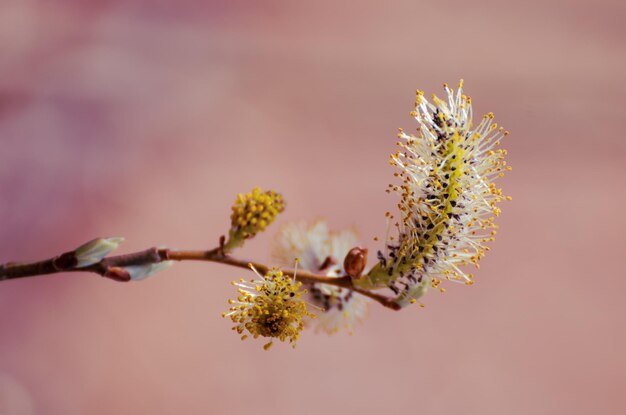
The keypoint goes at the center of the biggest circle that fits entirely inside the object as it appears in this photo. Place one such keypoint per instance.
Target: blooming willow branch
(448, 204)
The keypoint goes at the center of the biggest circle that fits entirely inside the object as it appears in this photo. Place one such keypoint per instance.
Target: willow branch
(113, 267)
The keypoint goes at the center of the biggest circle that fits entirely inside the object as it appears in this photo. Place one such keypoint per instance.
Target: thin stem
(113, 267)
(303, 276)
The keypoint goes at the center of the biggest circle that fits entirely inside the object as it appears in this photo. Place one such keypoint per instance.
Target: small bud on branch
(355, 261)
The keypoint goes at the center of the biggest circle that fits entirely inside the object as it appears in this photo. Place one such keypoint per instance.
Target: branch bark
(113, 267)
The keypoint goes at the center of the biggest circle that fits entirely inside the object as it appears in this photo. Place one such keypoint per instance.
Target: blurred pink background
(145, 118)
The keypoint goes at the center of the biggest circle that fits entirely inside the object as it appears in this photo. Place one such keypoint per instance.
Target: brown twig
(113, 267)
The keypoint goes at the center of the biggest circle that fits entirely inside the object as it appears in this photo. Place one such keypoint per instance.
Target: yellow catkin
(270, 306)
(252, 213)
(448, 198)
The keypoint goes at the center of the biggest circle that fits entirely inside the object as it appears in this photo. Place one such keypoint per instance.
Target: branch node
(220, 249)
(65, 261)
(117, 274)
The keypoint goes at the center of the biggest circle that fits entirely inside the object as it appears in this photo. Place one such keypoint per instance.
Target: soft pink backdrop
(145, 118)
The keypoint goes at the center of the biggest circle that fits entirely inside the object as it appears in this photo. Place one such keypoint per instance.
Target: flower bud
(140, 272)
(251, 214)
(95, 250)
(355, 261)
